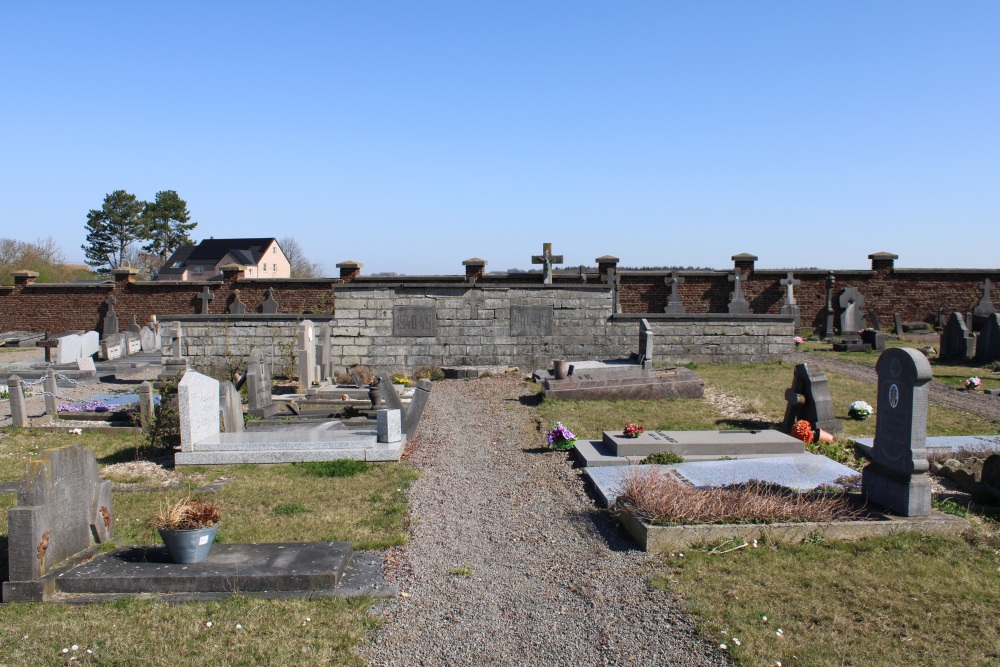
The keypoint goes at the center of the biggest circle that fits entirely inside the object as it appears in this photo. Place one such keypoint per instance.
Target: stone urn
(560, 369)
(375, 396)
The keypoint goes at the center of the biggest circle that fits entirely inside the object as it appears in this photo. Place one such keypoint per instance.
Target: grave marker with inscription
(737, 302)
(956, 342)
(531, 321)
(674, 304)
(414, 321)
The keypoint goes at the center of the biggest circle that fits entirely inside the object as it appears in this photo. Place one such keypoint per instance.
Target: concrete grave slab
(943, 444)
(625, 382)
(703, 443)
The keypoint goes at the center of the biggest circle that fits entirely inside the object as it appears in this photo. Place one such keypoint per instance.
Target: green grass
(908, 599)
(587, 419)
(342, 468)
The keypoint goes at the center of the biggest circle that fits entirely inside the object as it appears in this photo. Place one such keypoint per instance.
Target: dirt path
(509, 562)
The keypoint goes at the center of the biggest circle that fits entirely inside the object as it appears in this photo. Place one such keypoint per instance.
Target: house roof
(244, 251)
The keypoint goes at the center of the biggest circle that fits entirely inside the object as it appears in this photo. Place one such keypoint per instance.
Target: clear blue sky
(412, 135)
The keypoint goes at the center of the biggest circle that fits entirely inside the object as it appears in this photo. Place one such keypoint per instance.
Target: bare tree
(301, 267)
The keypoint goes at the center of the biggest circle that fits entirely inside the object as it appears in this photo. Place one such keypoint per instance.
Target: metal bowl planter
(189, 546)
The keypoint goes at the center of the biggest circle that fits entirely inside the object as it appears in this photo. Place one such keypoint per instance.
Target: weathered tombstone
(988, 341)
(134, 328)
(897, 321)
(674, 304)
(307, 356)
(874, 339)
(970, 322)
(113, 347)
(270, 306)
(985, 306)
(147, 339)
(389, 426)
(547, 259)
(828, 310)
(198, 405)
(956, 341)
(789, 307)
(897, 477)
(173, 358)
(614, 280)
(942, 317)
(90, 344)
(990, 477)
(852, 301)
(110, 327)
(389, 395)
(412, 418)
(86, 364)
(645, 344)
(325, 351)
(809, 399)
(146, 405)
(258, 384)
(49, 388)
(132, 343)
(237, 307)
(873, 314)
(204, 297)
(178, 349)
(737, 302)
(63, 508)
(231, 407)
(69, 349)
(18, 410)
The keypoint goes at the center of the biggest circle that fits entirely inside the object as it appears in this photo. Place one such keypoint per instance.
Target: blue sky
(412, 135)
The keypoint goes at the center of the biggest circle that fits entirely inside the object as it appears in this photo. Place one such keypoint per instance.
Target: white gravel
(510, 562)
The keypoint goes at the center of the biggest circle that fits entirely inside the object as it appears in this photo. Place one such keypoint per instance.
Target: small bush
(840, 450)
(664, 458)
(431, 372)
(286, 509)
(339, 468)
(364, 374)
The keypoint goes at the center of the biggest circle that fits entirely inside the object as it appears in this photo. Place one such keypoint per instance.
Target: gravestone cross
(473, 304)
(237, 307)
(547, 259)
(674, 303)
(178, 351)
(614, 280)
(852, 301)
(789, 307)
(828, 323)
(134, 327)
(737, 302)
(258, 384)
(985, 306)
(110, 327)
(270, 306)
(205, 296)
(897, 477)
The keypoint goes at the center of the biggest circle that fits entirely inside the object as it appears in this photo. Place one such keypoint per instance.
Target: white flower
(764, 618)
(239, 626)
(736, 641)
(723, 647)
(65, 650)
(208, 624)
(74, 647)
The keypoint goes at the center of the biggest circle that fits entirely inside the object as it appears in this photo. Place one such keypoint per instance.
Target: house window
(274, 250)
(199, 269)
(274, 267)
(250, 271)
(265, 268)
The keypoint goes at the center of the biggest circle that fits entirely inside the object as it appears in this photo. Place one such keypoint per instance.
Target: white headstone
(389, 425)
(90, 344)
(198, 404)
(86, 364)
(147, 339)
(133, 343)
(111, 347)
(307, 356)
(68, 350)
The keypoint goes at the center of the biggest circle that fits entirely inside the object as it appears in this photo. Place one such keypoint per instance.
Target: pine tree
(167, 224)
(112, 228)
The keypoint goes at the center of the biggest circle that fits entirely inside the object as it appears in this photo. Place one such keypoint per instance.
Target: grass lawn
(587, 419)
(281, 503)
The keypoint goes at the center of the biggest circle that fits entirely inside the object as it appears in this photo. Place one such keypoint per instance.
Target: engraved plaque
(414, 321)
(531, 320)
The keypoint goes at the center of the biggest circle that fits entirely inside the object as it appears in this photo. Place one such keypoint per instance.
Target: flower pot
(189, 546)
(824, 436)
(560, 369)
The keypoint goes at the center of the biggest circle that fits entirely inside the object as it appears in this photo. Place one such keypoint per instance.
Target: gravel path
(940, 394)
(509, 562)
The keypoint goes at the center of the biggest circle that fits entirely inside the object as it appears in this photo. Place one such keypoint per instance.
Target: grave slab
(631, 382)
(944, 444)
(703, 443)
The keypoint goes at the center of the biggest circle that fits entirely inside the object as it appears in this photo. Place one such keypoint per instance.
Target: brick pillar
(474, 268)
(607, 265)
(349, 270)
(883, 261)
(124, 275)
(24, 278)
(744, 261)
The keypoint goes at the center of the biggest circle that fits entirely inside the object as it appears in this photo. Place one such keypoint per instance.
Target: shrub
(338, 468)
(431, 372)
(664, 458)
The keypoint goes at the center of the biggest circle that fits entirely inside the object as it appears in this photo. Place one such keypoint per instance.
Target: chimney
(349, 270)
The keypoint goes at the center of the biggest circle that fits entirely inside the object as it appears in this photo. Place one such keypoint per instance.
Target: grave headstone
(134, 328)
(851, 301)
(110, 327)
(531, 321)
(49, 388)
(90, 344)
(897, 321)
(18, 410)
(985, 307)
(146, 405)
(969, 322)
(157, 336)
(956, 341)
(645, 344)
(990, 477)
(147, 339)
(113, 347)
(388, 394)
(828, 310)
(874, 339)
(942, 317)
(307, 357)
(896, 478)
(547, 259)
(237, 307)
(412, 418)
(809, 398)
(270, 306)
(873, 314)
(86, 364)
(414, 321)
(198, 405)
(325, 351)
(988, 341)
(790, 307)
(473, 297)
(231, 407)
(132, 343)
(258, 384)
(68, 349)
(389, 426)
(674, 303)
(177, 345)
(63, 508)
(614, 280)
(737, 302)
(204, 297)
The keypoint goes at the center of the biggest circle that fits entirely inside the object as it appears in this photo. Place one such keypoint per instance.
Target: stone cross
(205, 296)
(985, 306)
(237, 307)
(737, 303)
(178, 353)
(269, 306)
(789, 282)
(828, 323)
(674, 303)
(614, 280)
(110, 327)
(547, 259)
(474, 304)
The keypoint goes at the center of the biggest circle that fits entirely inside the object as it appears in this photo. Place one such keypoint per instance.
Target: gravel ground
(509, 562)
(976, 403)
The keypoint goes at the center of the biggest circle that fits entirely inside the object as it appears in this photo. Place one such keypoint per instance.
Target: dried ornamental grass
(662, 499)
(186, 514)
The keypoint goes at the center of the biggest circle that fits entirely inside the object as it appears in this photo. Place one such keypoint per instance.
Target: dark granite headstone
(873, 314)
(897, 477)
(737, 302)
(990, 477)
(674, 304)
(988, 341)
(414, 321)
(942, 317)
(809, 398)
(897, 322)
(873, 339)
(110, 327)
(956, 341)
(646, 341)
(531, 321)
(828, 309)
(270, 306)
(63, 508)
